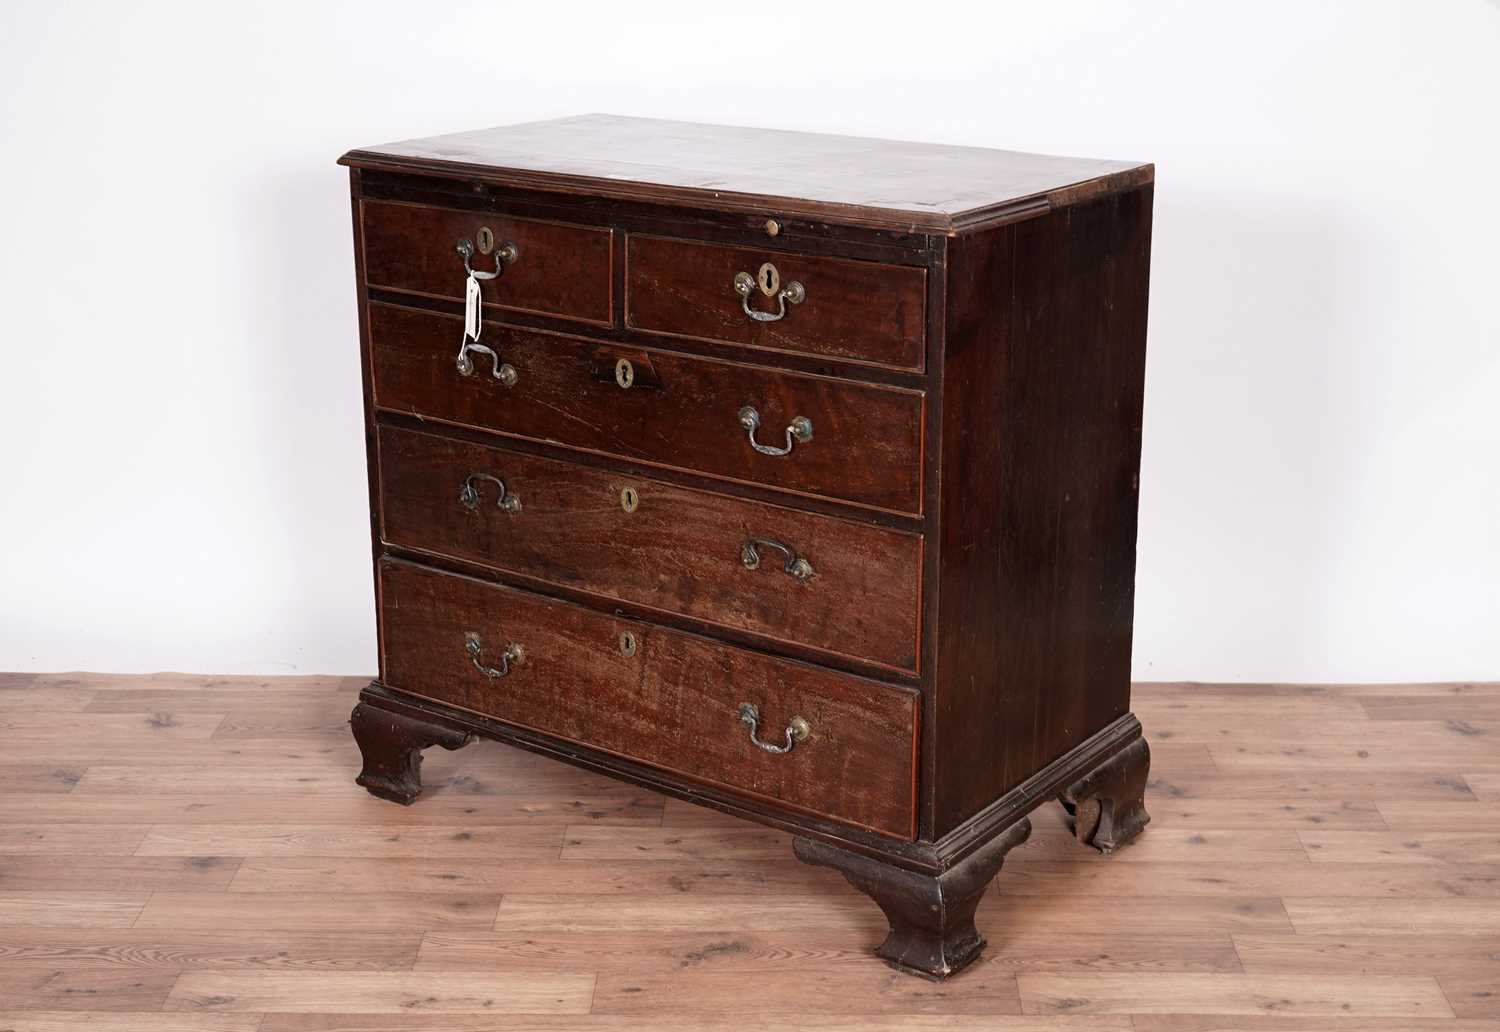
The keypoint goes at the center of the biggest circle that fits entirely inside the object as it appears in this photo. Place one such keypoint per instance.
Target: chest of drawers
(790, 475)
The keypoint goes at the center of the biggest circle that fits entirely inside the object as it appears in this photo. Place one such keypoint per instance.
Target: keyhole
(629, 499)
(769, 279)
(624, 373)
(627, 643)
(486, 239)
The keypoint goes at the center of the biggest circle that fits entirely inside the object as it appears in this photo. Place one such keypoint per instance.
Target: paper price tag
(471, 308)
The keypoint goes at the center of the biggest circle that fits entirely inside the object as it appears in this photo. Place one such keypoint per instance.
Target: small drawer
(833, 307)
(815, 435)
(832, 744)
(557, 269)
(833, 584)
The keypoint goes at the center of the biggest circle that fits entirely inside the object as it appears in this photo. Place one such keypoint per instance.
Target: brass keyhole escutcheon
(627, 643)
(629, 499)
(624, 373)
(768, 279)
(486, 238)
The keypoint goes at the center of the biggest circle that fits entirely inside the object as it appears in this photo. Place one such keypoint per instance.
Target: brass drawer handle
(769, 281)
(502, 371)
(799, 430)
(506, 254)
(796, 731)
(795, 566)
(512, 654)
(509, 501)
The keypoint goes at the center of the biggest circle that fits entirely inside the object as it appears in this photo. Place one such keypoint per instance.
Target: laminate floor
(190, 854)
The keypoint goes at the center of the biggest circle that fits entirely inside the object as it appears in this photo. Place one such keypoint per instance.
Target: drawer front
(679, 411)
(684, 551)
(559, 269)
(673, 702)
(861, 311)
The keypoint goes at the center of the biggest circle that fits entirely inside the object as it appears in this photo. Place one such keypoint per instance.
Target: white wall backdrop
(181, 462)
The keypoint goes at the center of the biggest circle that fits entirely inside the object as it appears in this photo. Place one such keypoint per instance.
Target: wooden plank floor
(190, 854)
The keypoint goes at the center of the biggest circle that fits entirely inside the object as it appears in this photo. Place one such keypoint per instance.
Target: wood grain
(31, 723)
(391, 992)
(809, 989)
(866, 446)
(77, 909)
(68, 839)
(313, 912)
(697, 1022)
(460, 800)
(221, 949)
(887, 183)
(1036, 552)
(476, 841)
(1415, 846)
(17, 778)
(140, 1021)
(857, 310)
(1266, 899)
(560, 270)
(52, 987)
(92, 873)
(674, 701)
(1378, 954)
(632, 876)
(678, 550)
(1330, 995)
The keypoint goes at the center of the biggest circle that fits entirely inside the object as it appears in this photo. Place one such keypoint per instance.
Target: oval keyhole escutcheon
(624, 373)
(768, 279)
(486, 239)
(629, 499)
(627, 643)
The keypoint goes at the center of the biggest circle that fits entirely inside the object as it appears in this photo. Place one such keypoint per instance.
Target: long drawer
(856, 310)
(673, 700)
(834, 584)
(814, 435)
(555, 269)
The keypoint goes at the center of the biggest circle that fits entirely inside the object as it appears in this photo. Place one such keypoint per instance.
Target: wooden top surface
(881, 183)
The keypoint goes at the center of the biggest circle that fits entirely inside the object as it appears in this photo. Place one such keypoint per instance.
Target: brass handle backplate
(797, 730)
(800, 430)
(769, 282)
(625, 373)
(508, 500)
(512, 655)
(794, 565)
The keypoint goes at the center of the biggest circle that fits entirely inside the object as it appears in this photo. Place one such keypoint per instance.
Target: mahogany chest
(791, 475)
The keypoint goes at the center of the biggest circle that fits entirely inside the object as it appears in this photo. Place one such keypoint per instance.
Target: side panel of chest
(1047, 339)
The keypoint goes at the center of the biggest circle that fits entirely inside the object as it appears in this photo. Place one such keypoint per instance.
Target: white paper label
(471, 308)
